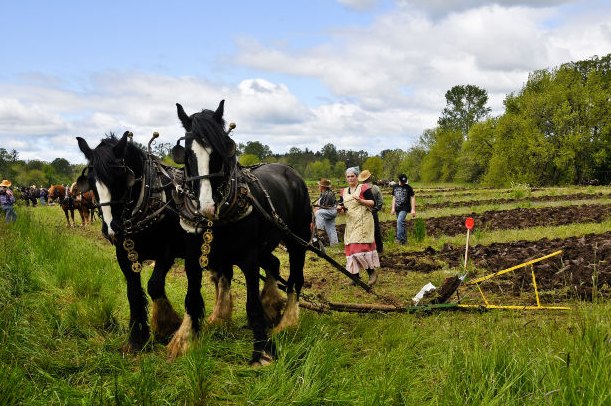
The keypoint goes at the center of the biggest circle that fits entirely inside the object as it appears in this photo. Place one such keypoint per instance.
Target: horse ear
(178, 154)
(220, 110)
(82, 183)
(183, 117)
(121, 146)
(84, 147)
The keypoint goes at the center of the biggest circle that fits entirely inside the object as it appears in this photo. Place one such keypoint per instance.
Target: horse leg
(223, 306)
(67, 216)
(194, 302)
(139, 332)
(164, 321)
(271, 300)
(80, 212)
(264, 350)
(290, 317)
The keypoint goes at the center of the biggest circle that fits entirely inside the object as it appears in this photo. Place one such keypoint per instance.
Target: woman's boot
(373, 276)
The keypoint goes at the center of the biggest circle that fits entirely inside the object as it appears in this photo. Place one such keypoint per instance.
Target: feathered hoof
(177, 347)
(264, 360)
(182, 339)
(130, 348)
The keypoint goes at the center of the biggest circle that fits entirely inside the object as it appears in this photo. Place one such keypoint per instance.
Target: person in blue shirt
(7, 201)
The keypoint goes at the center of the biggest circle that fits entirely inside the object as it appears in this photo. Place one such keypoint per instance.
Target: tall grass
(63, 316)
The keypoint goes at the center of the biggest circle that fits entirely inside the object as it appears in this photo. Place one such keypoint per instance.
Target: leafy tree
(411, 164)
(256, 148)
(375, 165)
(248, 159)
(62, 168)
(339, 170)
(318, 169)
(465, 106)
(440, 163)
(391, 159)
(476, 152)
(162, 149)
(328, 151)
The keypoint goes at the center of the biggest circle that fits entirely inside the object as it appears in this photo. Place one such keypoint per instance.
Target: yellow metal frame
(487, 305)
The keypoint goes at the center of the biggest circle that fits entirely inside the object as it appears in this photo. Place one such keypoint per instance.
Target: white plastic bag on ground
(426, 288)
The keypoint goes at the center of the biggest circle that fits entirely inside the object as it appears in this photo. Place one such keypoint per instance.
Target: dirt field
(547, 198)
(509, 219)
(571, 274)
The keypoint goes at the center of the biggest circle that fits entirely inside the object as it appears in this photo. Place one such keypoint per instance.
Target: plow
(435, 298)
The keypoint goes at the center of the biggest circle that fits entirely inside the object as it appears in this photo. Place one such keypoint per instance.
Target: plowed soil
(508, 219)
(547, 198)
(583, 268)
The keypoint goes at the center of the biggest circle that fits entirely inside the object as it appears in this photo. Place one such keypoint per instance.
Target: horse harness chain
(150, 205)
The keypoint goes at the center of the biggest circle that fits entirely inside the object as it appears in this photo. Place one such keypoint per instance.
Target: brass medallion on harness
(130, 247)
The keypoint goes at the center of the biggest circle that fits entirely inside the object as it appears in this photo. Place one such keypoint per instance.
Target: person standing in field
(7, 201)
(365, 177)
(403, 202)
(356, 200)
(325, 212)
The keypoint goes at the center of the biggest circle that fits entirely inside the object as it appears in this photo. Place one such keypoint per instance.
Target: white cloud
(359, 5)
(383, 84)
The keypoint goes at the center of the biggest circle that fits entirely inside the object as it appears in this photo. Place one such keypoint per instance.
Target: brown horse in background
(58, 193)
(85, 203)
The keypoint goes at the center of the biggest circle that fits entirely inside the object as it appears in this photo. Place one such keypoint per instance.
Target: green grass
(63, 316)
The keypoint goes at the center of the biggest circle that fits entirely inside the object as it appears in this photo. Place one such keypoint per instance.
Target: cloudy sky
(361, 74)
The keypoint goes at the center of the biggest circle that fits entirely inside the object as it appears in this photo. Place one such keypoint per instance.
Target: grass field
(63, 317)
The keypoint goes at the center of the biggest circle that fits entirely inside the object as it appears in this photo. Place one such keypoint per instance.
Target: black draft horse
(252, 210)
(140, 217)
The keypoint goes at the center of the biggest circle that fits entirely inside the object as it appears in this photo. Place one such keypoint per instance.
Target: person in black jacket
(403, 202)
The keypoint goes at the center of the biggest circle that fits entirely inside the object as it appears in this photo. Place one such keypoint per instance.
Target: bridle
(189, 138)
(231, 196)
(150, 204)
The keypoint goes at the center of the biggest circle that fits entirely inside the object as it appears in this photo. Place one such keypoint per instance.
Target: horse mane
(104, 158)
(213, 131)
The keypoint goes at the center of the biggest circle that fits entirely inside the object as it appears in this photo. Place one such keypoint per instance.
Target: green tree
(375, 165)
(328, 151)
(391, 159)
(248, 159)
(318, 169)
(440, 162)
(256, 148)
(476, 152)
(411, 164)
(465, 106)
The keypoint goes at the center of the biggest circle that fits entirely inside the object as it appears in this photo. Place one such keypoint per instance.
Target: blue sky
(362, 74)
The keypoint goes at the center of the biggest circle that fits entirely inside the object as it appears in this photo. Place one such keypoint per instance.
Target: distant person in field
(7, 201)
(43, 193)
(403, 202)
(365, 177)
(356, 200)
(325, 212)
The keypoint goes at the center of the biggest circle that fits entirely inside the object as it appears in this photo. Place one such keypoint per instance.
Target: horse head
(55, 192)
(209, 155)
(113, 167)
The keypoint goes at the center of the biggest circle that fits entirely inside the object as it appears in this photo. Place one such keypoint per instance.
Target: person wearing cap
(356, 200)
(365, 177)
(7, 201)
(325, 212)
(403, 202)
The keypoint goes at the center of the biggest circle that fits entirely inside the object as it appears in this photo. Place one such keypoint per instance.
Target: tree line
(556, 130)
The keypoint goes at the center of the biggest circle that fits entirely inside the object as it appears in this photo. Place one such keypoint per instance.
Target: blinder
(82, 182)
